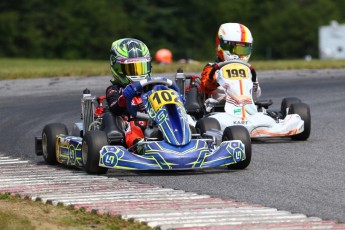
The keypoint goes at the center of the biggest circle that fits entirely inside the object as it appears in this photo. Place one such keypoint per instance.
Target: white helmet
(234, 41)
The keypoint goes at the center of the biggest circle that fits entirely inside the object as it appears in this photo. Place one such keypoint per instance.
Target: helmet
(130, 61)
(164, 56)
(234, 41)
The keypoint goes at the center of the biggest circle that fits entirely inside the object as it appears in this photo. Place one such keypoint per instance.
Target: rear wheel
(239, 132)
(303, 110)
(205, 124)
(286, 103)
(93, 142)
(49, 134)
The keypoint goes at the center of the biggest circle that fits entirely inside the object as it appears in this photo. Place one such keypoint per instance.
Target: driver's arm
(115, 99)
(256, 90)
(208, 79)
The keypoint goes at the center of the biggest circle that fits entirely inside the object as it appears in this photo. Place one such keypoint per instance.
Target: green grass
(30, 68)
(298, 64)
(11, 221)
(23, 214)
(34, 68)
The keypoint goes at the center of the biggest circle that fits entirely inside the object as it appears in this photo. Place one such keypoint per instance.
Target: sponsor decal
(238, 111)
(240, 122)
(109, 159)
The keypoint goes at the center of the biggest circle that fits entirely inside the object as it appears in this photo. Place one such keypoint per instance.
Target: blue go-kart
(97, 144)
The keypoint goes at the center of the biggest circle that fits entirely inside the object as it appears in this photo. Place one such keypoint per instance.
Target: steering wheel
(141, 84)
(221, 64)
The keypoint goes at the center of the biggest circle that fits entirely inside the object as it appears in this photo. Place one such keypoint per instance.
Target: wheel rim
(58, 150)
(84, 152)
(44, 145)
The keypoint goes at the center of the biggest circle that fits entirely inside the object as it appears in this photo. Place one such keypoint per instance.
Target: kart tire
(49, 134)
(238, 132)
(205, 124)
(303, 110)
(93, 142)
(286, 103)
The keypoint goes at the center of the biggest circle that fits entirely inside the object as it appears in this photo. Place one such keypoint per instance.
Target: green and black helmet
(130, 61)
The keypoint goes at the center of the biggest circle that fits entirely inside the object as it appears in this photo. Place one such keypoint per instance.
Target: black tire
(205, 124)
(238, 132)
(49, 134)
(93, 142)
(303, 110)
(286, 103)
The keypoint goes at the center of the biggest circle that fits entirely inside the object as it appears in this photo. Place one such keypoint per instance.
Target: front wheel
(93, 142)
(239, 132)
(303, 111)
(49, 134)
(286, 104)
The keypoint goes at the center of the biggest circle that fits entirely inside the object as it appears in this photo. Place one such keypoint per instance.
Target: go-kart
(237, 106)
(97, 142)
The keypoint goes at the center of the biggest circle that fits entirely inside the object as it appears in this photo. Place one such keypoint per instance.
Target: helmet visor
(134, 67)
(238, 48)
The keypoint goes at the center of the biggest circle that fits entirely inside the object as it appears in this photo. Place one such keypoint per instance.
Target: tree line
(74, 29)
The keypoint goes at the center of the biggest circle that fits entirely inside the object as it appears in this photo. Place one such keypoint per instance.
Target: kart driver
(233, 41)
(130, 62)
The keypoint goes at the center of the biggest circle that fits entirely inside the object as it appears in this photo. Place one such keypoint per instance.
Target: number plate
(235, 71)
(163, 97)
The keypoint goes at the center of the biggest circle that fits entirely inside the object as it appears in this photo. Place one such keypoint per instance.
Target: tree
(74, 29)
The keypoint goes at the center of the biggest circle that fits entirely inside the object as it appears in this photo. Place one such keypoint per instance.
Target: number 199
(236, 73)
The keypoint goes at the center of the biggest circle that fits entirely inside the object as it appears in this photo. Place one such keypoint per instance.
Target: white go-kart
(239, 108)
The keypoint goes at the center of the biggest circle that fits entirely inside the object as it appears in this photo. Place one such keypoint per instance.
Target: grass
(30, 68)
(23, 214)
(12, 221)
(34, 68)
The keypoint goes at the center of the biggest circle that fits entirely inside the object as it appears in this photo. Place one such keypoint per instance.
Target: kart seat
(263, 103)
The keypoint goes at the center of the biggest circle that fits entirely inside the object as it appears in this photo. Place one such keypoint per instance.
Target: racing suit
(210, 86)
(134, 130)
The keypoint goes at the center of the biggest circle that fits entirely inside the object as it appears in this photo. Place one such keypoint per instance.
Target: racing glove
(129, 93)
(132, 90)
(209, 104)
(256, 91)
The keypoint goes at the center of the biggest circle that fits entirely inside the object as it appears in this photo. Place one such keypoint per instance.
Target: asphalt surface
(300, 177)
